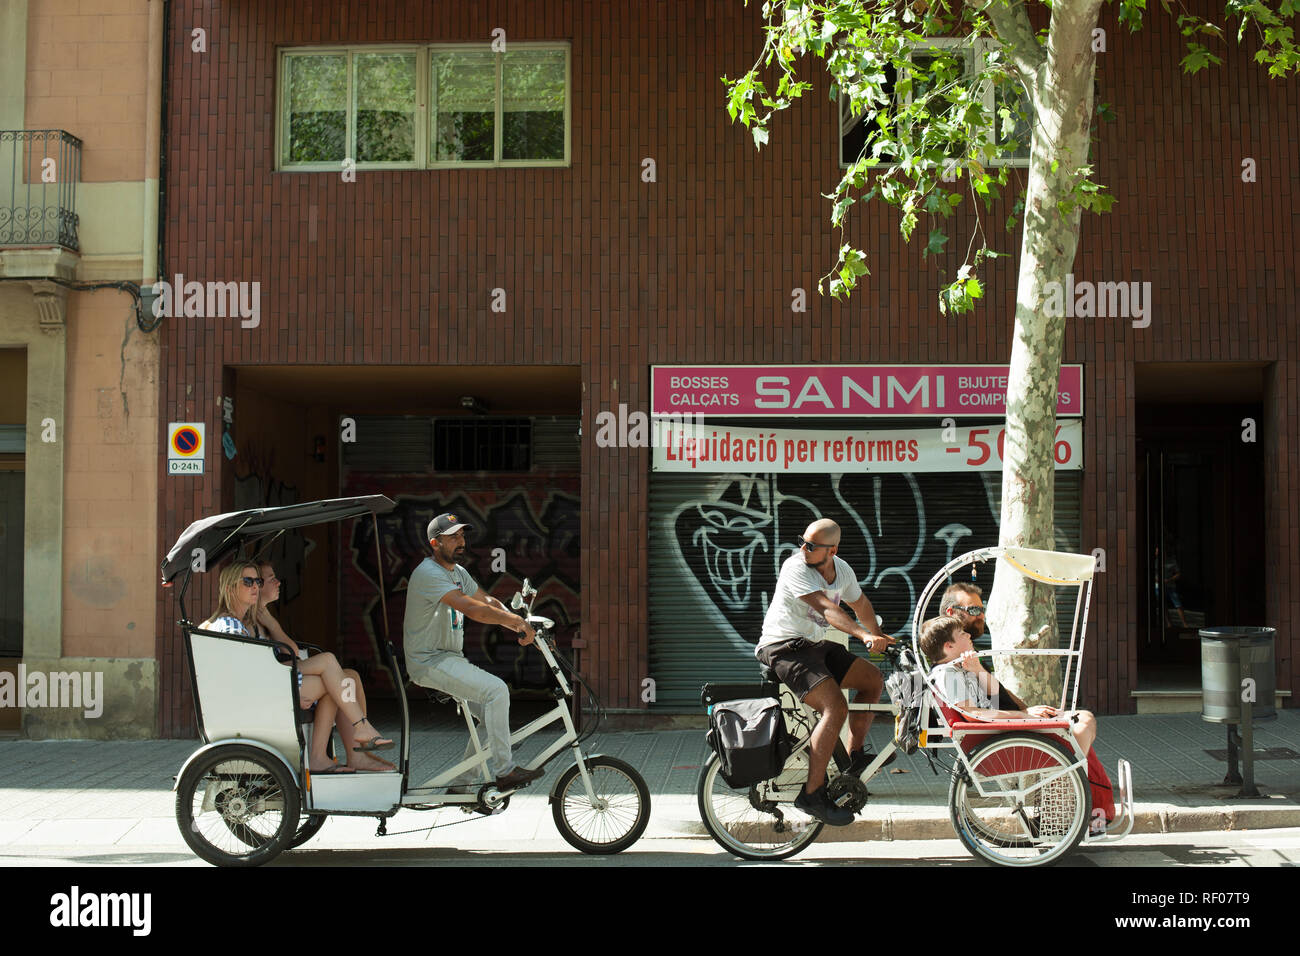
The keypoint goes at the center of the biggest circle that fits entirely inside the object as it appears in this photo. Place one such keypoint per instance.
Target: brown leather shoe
(518, 777)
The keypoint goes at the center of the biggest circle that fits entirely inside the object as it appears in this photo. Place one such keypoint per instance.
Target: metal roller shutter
(717, 541)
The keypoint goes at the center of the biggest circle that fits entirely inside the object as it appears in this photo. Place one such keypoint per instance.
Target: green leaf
(937, 241)
(760, 136)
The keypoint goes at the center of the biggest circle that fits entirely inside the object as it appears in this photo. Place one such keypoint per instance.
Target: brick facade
(613, 274)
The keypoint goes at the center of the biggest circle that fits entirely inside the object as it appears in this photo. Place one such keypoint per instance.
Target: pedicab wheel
(750, 821)
(618, 817)
(237, 806)
(307, 829)
(1035, 808)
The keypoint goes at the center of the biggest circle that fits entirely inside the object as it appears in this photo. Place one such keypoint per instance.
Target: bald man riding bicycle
(812, 583)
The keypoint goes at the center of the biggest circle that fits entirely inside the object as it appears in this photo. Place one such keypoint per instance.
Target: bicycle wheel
(758, 822)
(237, 806)
(615, 820)
(307, 829)
(1034, 809)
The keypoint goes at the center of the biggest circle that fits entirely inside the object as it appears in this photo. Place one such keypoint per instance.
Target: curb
(1148, 818)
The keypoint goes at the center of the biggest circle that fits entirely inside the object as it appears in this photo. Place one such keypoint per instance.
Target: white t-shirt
(789, 617)
(956, 685)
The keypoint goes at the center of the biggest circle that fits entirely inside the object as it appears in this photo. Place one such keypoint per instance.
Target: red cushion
(1001, 726)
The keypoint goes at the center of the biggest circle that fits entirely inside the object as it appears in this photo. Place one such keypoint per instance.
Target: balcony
(39, 171)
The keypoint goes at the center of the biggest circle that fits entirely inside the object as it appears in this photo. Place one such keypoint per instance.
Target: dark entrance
(1200, 513)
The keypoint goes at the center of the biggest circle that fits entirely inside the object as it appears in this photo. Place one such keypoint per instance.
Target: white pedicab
(247, 794)
(1020, 794)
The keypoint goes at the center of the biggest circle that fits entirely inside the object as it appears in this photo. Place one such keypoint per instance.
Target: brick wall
(615, 274)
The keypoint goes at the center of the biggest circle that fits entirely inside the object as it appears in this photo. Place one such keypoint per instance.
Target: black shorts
(801, 664)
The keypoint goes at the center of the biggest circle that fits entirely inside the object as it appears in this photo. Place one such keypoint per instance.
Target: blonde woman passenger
(319, 678)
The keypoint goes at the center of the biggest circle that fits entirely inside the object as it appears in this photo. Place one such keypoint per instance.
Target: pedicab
(247, 793)
(1019, 792)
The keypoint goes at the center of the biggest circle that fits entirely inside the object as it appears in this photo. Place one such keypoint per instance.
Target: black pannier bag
(750, 739)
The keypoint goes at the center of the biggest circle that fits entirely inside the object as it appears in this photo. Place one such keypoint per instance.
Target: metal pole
(1248, 788)
(1234, 775)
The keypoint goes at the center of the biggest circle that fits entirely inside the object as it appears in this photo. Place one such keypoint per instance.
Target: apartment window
(1011, 141)
(436, 106)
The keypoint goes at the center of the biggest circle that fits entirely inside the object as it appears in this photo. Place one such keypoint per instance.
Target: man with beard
(439, 596)
(963, 601)
(812, 583)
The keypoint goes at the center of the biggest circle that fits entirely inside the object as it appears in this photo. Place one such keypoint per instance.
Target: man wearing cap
(439, 596)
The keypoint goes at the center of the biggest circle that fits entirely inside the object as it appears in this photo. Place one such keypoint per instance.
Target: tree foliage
(955, 110)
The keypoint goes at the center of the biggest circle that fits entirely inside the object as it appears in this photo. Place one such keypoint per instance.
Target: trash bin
(1230, 655)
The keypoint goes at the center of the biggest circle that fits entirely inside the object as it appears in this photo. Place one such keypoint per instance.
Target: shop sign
(844, 391)
(742, 450)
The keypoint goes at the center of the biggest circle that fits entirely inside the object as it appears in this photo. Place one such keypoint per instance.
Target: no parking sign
(185, 448)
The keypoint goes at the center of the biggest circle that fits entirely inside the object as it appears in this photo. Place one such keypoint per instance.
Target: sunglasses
(253, 582)
(975, 610)
(810, 545)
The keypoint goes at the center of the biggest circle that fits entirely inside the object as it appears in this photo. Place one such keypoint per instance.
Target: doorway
(1200, 534)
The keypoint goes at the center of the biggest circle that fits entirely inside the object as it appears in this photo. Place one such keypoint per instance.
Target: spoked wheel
(238, 806)
(1035, 810)
(619, 814)
(758, 822)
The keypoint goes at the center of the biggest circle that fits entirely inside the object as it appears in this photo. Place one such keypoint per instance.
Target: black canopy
(221, 535)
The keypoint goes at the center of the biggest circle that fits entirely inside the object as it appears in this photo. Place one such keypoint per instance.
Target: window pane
(946, 73)
(1018, 134)
(316, 88)
(859, 131)
(385, 92)
(464, 106)
(532, 124)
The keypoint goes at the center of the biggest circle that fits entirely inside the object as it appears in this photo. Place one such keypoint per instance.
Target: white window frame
(499, 124)
(424, 126)
(972, 54)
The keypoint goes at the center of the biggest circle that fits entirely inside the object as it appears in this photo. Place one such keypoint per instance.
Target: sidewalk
(116, 796)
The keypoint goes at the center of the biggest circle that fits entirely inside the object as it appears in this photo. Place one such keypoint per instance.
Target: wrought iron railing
(39, 172)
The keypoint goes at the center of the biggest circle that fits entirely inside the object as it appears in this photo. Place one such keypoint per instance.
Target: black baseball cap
(446, 524)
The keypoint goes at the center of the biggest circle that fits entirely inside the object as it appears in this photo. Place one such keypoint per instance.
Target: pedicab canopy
(221, 535)
(1051, 567)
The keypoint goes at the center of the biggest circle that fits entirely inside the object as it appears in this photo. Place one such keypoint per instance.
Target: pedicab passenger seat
(974, 731)
(242, 691)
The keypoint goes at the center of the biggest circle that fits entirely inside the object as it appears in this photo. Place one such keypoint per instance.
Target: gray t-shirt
(956, 685)
(431, 627)
(787, 616)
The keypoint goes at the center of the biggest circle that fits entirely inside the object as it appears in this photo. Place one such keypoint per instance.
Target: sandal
(374, 743)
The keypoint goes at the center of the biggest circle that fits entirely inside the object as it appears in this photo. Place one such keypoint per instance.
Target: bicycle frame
(412, 795)
(809, 718)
